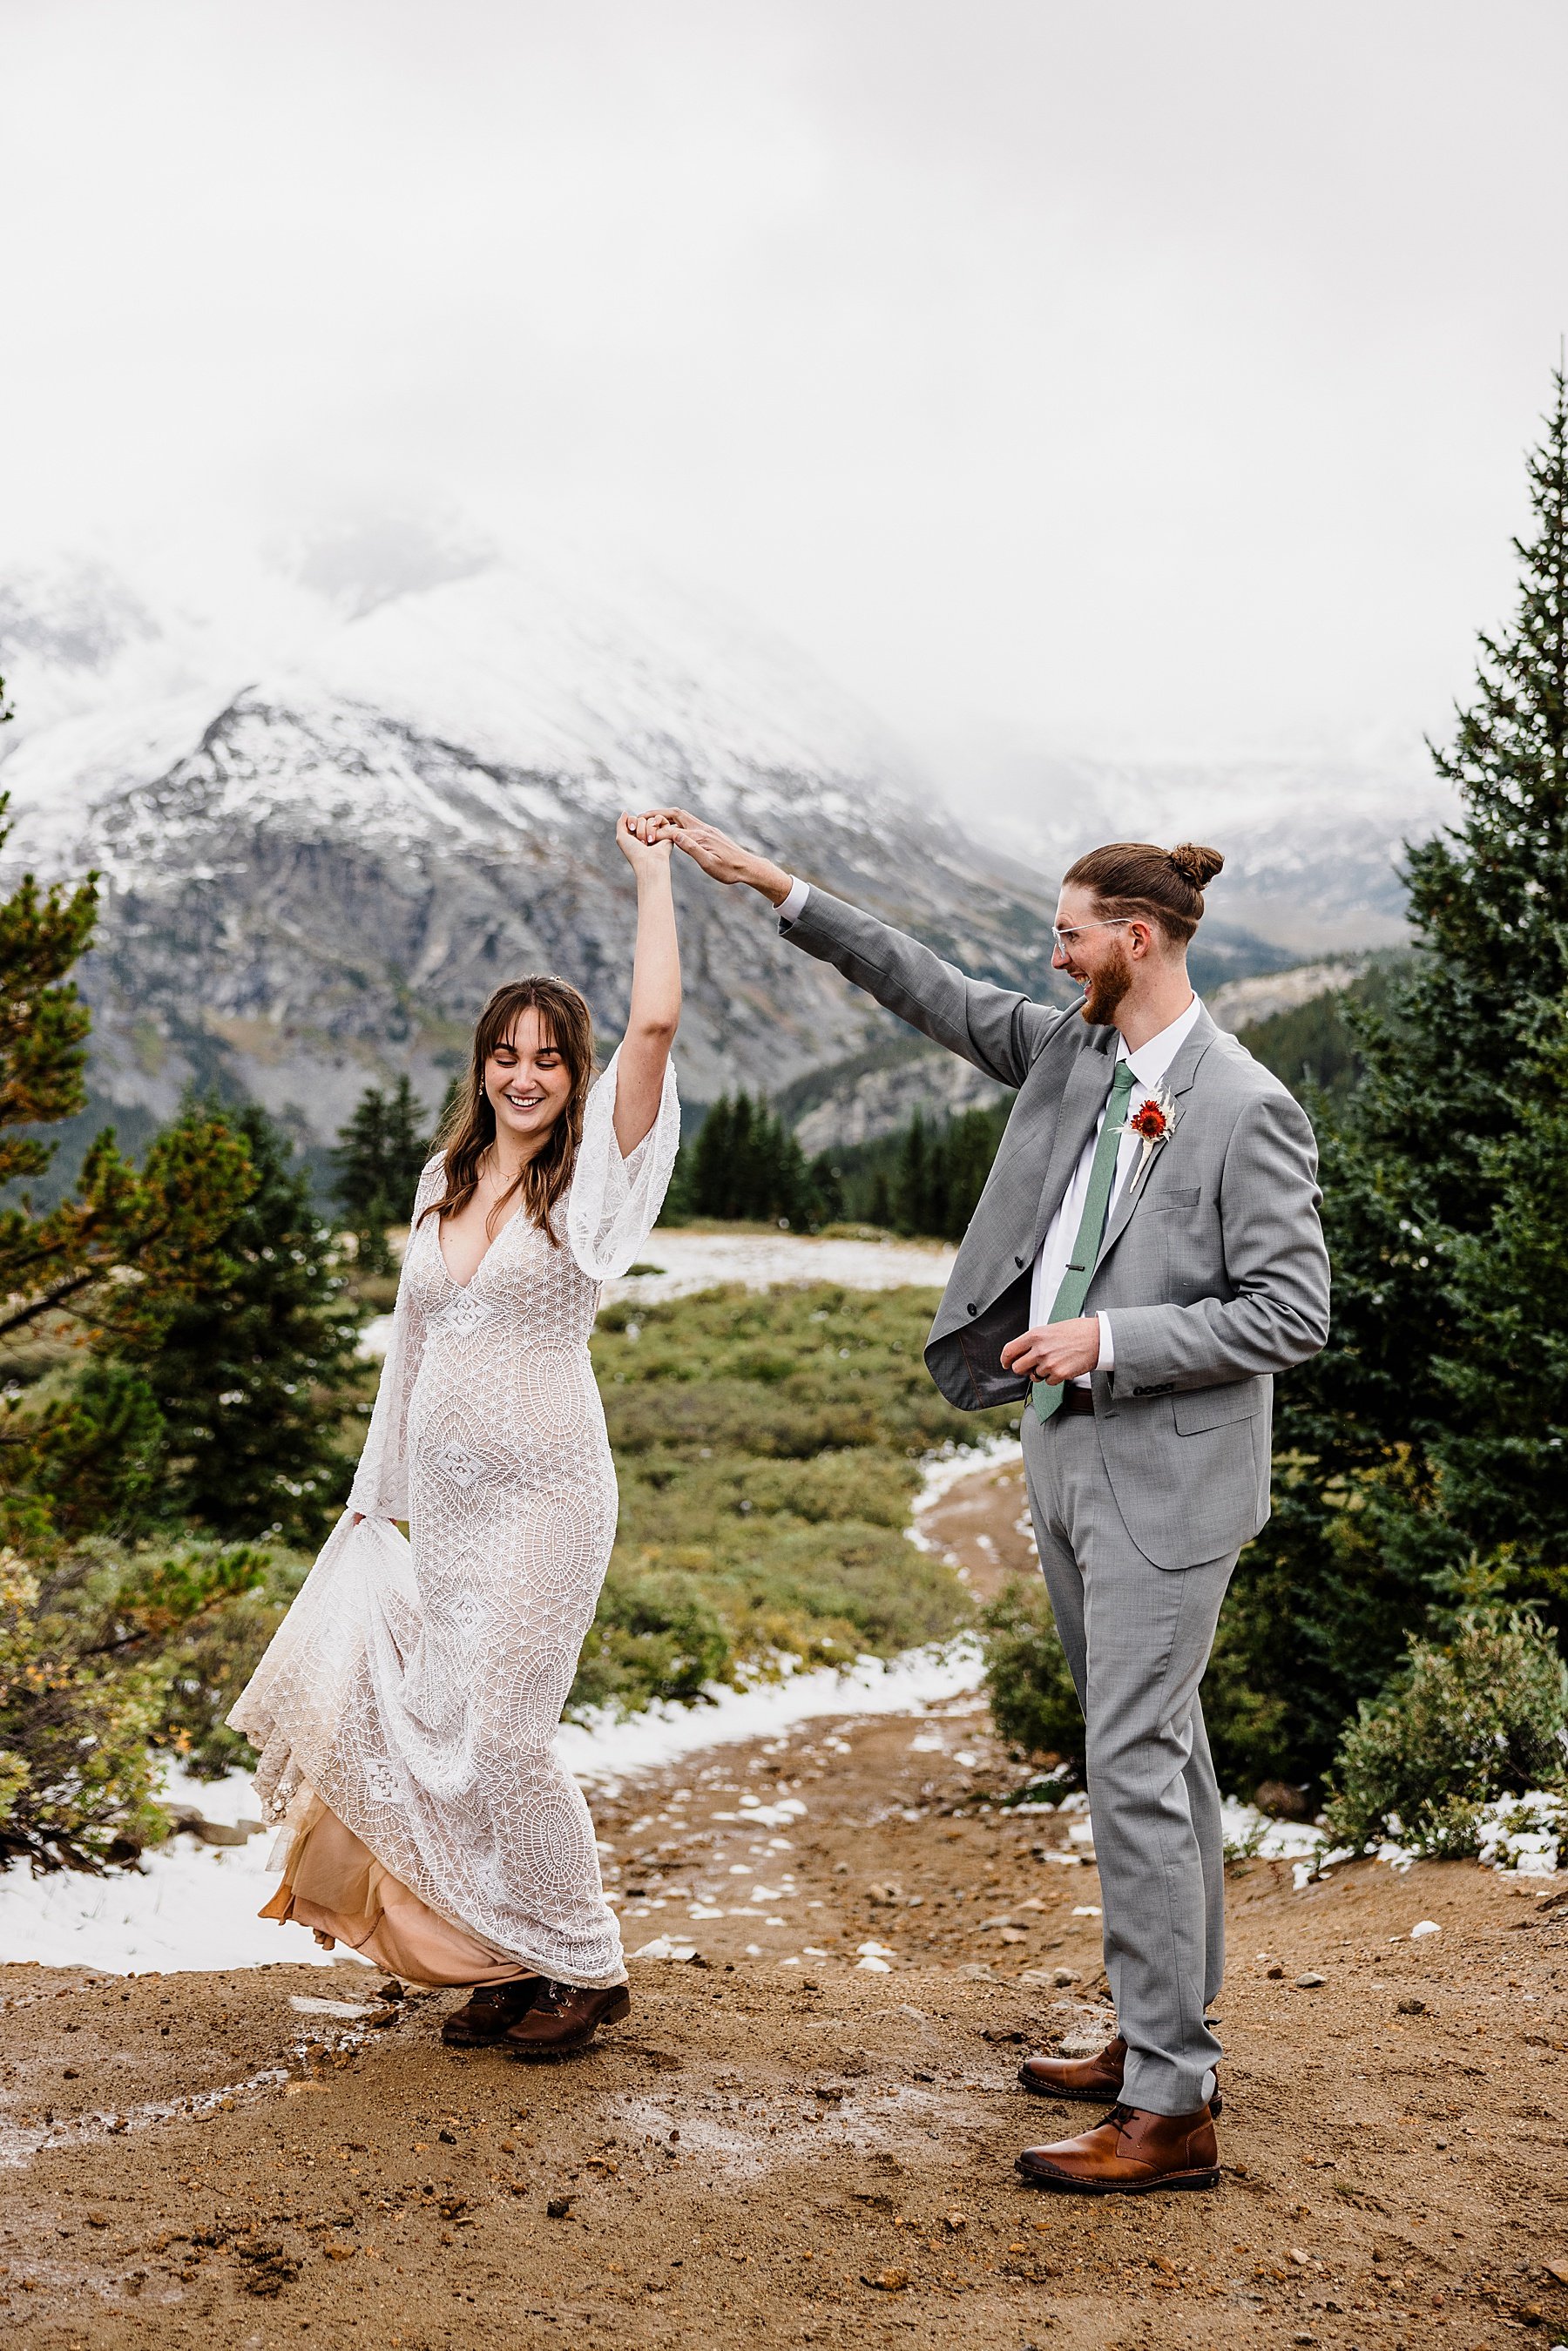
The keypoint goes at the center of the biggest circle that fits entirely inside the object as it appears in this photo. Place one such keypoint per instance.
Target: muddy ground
(785, 2146)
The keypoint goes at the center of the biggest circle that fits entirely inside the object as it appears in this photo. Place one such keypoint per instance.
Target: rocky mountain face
(334, 806)
(1314, 847)
(324, 840)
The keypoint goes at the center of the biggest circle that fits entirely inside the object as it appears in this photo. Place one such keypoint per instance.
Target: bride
(405, 1711)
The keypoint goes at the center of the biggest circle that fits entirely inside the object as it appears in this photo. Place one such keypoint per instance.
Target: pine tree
(911, 1201)
(94, 1453)
(377, 1164)
(712, 1173)
(1368, 1530)
(1501, 1488)
(255, 1376)
(110, 1262)
(747, 1163)
(826, 1187)
(971, 1144)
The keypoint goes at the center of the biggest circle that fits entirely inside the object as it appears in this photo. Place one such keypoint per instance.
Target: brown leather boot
(1096, 2080)
(490, 2010)
(1128, 2153)
(564, 2018)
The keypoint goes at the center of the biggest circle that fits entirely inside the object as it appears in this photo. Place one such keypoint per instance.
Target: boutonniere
(1151, 1117)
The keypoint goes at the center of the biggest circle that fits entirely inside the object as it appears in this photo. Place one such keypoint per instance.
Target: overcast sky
(1151, 377)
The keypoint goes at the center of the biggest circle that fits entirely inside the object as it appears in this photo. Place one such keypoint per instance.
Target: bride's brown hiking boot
(490, 2012)
(1129, 2154)
(1096, 2081)
(564, 2019)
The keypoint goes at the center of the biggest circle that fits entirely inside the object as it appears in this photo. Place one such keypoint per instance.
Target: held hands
(719, 857)
(1057, 1352)
(640, 843)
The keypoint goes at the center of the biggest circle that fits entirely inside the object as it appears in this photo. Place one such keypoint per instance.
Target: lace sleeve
(381, 1482)
(615, 1202)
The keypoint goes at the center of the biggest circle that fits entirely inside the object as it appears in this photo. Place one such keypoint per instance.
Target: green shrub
(656, 1635)
(1033, 1702)
(92, 1454)
(105, 1658)
(768, 1447)
(76, 1770)
(1482, 1717)
(208, 1664)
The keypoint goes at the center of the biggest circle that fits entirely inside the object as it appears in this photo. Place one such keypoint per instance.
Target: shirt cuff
(792, 907)
(1107, 1345)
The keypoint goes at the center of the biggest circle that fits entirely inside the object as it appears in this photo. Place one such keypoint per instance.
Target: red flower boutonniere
(1150, 1116)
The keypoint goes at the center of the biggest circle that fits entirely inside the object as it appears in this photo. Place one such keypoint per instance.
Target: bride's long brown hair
(468, 1130)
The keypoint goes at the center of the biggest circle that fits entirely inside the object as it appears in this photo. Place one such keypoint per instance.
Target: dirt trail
(784, 2146)
(982, 1525)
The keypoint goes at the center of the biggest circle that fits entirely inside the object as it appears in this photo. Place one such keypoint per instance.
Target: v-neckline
(491, 1244)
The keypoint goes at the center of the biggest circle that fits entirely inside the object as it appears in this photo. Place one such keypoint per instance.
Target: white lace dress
(413, 1691)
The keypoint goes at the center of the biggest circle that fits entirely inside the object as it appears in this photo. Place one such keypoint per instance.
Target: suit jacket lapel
(1083, 1100)
(1178, 1081)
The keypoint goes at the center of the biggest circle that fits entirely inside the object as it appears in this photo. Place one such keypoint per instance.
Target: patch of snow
(602, 1749)
(663, 1947)
(190, 1905)
(693, 1261)
(1526, 1833)
(1522, 1837)
(690, 1262)
(1247, 1830)
(193, 1906)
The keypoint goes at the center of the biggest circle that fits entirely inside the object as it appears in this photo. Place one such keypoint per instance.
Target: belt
(1077, 1400)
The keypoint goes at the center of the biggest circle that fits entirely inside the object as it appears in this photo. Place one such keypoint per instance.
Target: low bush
(1482, 1716)
(1033, 1702)
(657, 1632)
(106, 1658)
(768, 1446)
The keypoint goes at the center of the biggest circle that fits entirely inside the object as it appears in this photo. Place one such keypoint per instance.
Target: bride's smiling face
(528, 1081)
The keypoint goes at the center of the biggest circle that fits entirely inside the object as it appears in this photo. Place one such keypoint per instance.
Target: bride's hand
(637, 838)
(723, 859)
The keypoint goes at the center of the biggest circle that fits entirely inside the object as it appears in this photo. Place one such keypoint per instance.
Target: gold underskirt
(335, 1885)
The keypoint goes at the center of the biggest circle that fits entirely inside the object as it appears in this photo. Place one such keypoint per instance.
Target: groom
(1146, 1256)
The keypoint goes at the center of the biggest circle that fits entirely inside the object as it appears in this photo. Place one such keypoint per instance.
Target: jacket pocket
(1200, 1408)
(1175, 1200)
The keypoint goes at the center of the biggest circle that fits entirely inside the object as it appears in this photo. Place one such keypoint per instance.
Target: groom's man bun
(1197, 865)
(1134, 881)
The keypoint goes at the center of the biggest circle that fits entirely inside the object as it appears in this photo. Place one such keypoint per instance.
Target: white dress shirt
(1150, 1063)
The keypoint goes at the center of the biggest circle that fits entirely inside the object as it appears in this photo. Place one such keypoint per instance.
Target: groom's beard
(1105, 991)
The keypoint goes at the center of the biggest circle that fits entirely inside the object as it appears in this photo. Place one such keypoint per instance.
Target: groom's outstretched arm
(1000, 1029)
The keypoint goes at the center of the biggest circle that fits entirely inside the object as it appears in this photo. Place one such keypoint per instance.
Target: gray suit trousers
(1137, 1639)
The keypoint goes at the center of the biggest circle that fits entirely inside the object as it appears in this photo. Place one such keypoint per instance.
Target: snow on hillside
(630, 690)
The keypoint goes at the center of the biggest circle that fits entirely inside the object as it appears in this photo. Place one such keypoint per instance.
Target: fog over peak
(1134, 384)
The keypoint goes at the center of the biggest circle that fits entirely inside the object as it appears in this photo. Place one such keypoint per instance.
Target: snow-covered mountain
(1313, 845)
(330, 818)
(338, 796)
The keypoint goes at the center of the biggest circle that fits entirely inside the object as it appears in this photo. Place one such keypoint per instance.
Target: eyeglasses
(1112, 922)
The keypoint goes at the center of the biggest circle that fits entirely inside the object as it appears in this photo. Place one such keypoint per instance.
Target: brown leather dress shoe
(490, 2010)
(1096, 2080)
(564, 2018)
(1128, 2153)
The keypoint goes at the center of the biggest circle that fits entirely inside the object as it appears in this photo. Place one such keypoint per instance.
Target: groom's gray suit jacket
(1212, 1269)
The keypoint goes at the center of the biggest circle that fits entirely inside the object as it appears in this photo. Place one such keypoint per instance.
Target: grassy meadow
(767, 1445)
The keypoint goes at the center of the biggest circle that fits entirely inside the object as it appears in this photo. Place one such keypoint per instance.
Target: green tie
(1080, 1273)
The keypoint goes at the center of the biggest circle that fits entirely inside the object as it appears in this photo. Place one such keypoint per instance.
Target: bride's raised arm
(655, 1008)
